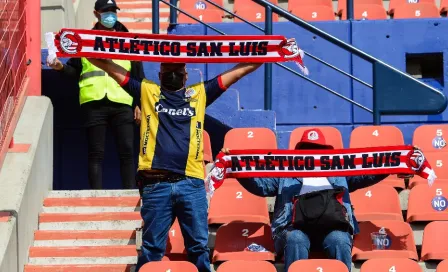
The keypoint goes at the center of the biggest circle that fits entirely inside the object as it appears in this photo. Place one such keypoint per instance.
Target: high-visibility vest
(95, 84)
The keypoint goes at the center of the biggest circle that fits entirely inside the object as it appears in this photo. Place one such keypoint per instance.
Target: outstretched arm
(229, 77)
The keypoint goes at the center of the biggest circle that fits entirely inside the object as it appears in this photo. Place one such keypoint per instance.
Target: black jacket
(73, 67)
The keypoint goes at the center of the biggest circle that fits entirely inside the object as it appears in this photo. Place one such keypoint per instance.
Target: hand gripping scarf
(319, 163)
(173, 48)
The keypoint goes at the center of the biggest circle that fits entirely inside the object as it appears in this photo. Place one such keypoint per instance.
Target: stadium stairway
(82, 231)
(137, 15)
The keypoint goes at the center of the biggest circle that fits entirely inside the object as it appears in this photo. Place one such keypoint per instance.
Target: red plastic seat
(387, 265)
(250, 138)
(430, 138)
(428, 203)
(372, 136)
(171, 266)
(234, 266)
(297, 4)
(399, 242)
(251, 11)
(342, 6)
(314, 13)
(369, 11)
(332, 136)
(443, 6)
(378, 202)
(438, 162)
(208, 155)
(442, 266)
(318, 265)
(233, 238)
(175, 249)
(231, 202)
(435, 242)
(396, 3)
(419, 10)
(208, 15)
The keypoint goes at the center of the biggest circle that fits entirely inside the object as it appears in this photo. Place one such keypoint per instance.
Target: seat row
(233, 240)
(374, 265)
(313, 10)
(429, 138)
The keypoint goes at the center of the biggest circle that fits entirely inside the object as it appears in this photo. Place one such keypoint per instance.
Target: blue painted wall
(295, 101)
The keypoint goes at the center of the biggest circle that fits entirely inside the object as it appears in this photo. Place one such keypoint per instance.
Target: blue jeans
(162, 203)
(295, 245)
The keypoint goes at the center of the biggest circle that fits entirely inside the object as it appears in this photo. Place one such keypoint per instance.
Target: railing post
(376, 111)
(155, 17)
(350, 9)
(268, 66)
(173, 12)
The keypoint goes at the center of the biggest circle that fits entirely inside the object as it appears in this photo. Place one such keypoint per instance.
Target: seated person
(294, 243)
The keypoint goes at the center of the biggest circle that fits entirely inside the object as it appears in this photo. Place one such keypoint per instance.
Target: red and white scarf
(319, 163)
(173, 48)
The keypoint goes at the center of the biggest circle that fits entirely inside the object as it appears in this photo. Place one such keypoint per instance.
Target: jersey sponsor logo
(175, 112)
(198, 138)
(146, 136)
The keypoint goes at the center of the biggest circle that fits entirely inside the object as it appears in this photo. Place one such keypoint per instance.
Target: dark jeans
(98, 115)
(162, 203)
(295, 245)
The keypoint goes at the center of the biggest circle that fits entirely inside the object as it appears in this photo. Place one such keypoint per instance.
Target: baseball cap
(105, 4)
(312, 137)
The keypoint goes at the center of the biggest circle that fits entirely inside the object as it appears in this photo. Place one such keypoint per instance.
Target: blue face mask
(108, 19)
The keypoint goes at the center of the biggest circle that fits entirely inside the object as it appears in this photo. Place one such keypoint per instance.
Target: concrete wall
(84, 14)
(56, 14)
(8, 245)
(26, 178)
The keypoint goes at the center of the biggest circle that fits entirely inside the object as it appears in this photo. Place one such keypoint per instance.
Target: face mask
(108, 19)
(172, 81)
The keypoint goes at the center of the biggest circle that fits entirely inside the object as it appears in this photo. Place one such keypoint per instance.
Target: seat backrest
(175, 242)
(434, 240)
(297, 4)
(250, 138)
(371, 136)
(332, 136)
(236, 236)
(399, 235)
(314, 13)
(420, 10)
(369, 11)
(388, 265)
(428, 203)
(234, 266)
(378, 198)
(171, 266)
(342, 6)
(251, 11)
(208, 155)
(396, 3)
(442, 266)
(318, 265)
(431, 138)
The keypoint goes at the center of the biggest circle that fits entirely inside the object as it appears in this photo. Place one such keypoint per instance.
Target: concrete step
(90, 221)
(93, 193)
(80, 268)
(44, 238)
(126, 254)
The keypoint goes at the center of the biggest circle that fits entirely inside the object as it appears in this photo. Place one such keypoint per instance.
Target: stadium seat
(438, 162)
(296, 4)
(378, 202)
(332, 136)
(371, 136)
(430, 138)
(235, 266)
(318, 265)
(367, 11)
(393, 4)
(442, 266)
(250, 138)
(389, 265)
(419, 10)
(208, 155)
(434, 245)
(251, 11)
(428, 203)
(232, 240)
(314, 13)
(208, 15)
(169, 266)
(342, 6)
(443, 6)
(399, 242)
(231, 202)
(175, 249)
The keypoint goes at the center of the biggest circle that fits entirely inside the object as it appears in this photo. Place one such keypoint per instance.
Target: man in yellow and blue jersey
(171, 171)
